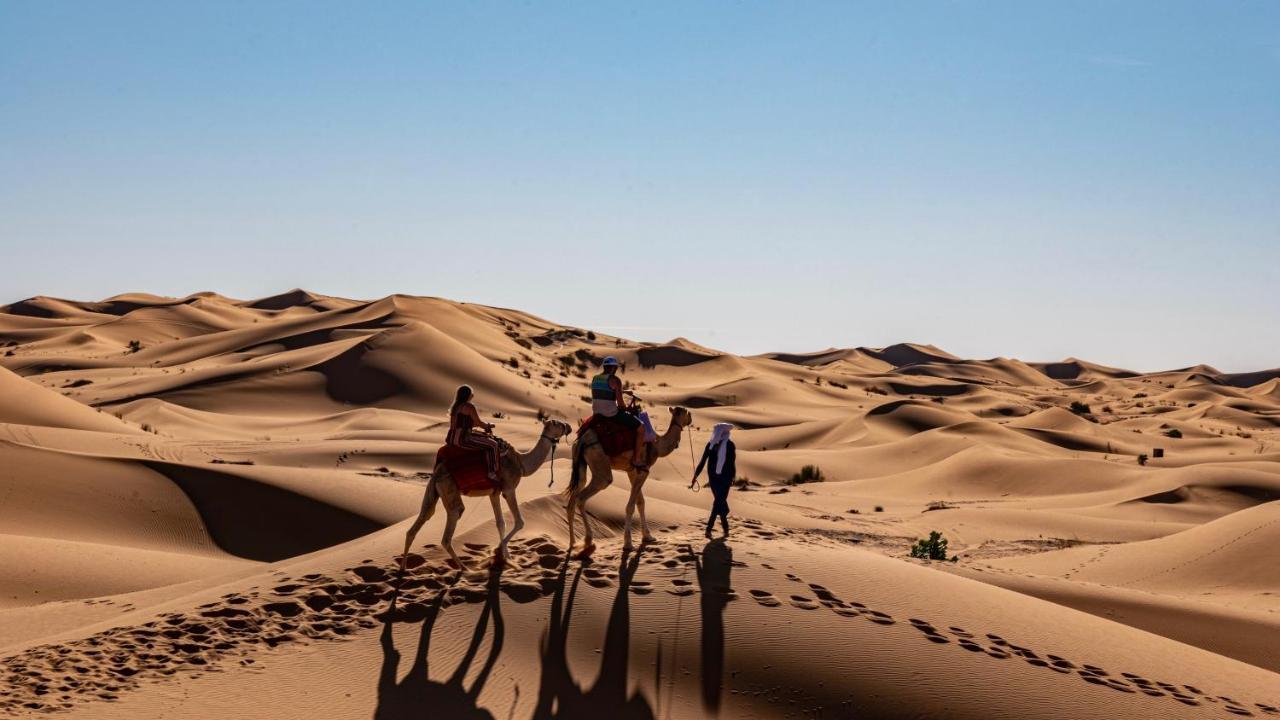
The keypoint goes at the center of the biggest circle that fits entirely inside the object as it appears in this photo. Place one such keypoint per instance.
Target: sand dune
(204, 499)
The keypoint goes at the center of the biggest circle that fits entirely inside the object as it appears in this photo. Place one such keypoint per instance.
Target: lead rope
(694, 485)
(554, 443)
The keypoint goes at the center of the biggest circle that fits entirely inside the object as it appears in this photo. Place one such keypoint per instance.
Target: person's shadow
(417, 695)
(713, 580)
(559, 695)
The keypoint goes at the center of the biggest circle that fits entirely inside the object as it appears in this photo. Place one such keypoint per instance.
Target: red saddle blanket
(614, 437)
(468, 468)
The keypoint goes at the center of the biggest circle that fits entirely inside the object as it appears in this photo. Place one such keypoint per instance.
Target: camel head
(681, 416)
(556, 429)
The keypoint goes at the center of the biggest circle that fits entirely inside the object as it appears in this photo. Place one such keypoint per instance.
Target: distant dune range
(202, 500)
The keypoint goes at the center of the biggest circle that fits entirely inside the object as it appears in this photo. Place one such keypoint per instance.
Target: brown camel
(513, 467)
(588, 454)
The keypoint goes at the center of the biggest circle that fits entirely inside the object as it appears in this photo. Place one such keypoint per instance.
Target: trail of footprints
(998, 648)
(317, 607)
(310, 608)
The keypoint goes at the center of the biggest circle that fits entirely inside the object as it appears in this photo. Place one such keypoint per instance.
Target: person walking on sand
(463, 421)
(723, 456)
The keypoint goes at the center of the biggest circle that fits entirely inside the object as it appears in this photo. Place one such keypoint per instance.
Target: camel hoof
(587, 550)
(648, 540)
(499, 559)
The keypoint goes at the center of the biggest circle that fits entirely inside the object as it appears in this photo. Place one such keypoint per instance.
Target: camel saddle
(615, 438)
(469, 469)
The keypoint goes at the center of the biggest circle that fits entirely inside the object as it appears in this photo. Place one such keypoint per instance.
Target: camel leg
(588, 543)
(647, 537)
(518, 519)
(631, 508)
(453, 512)
(429, 497)
(569, 508)
(499, 555)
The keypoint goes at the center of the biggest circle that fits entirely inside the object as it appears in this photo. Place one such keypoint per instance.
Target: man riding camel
(608, 400)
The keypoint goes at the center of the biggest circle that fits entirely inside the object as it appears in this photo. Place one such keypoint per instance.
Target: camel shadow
(714, 570)
(417, 696)
(559, 695)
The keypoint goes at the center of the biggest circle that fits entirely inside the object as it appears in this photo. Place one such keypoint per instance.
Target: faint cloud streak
(1117, 60)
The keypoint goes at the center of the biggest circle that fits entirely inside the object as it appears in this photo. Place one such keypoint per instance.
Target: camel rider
(607, 399)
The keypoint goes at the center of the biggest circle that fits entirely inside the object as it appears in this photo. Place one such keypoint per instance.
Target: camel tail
(575, 476)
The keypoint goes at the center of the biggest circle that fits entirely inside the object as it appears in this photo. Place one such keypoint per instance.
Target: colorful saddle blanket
(614, 437)
(468, 468)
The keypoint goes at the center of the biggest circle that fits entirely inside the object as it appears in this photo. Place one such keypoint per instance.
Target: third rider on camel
(607, 400)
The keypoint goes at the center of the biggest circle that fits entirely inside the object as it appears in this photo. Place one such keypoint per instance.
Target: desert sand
(204, 501)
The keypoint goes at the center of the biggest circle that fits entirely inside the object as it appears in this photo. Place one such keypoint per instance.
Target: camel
(513, 467)
(588, 453)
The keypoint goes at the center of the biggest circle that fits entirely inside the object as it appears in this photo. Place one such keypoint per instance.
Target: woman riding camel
(463, 421)
(723, 454)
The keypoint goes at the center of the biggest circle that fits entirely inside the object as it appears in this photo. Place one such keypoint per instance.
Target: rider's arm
(616, 383)
(475, 416)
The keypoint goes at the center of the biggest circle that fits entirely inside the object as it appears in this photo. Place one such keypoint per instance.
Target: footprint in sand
(929, 631)
(765, 598)
(803, 602)
(880, 618)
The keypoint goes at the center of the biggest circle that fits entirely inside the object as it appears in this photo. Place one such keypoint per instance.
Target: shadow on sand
(417, 695)
(560, 696)
(713, 580)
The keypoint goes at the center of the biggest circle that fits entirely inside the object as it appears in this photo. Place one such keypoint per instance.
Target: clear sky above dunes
(1022, 179)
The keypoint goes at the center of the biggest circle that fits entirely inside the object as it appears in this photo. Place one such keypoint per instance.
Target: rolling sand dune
(204, 501)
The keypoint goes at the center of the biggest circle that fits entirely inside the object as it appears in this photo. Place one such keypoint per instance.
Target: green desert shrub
(1173, 433)
(935, 548)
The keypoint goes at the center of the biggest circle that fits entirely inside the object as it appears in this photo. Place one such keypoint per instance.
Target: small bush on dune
(135, 346)
(1173, 433)
(1080, 408)
(1142, 459)
(807, 474)
(935, 548)
(879, 508)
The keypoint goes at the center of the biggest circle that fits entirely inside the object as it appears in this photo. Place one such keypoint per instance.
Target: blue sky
(1035, 180)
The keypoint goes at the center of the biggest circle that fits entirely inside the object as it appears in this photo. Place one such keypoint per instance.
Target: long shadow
(559, 695)
(714, 571)
(417, 695)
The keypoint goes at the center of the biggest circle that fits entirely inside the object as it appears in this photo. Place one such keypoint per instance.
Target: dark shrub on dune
(807, 474)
